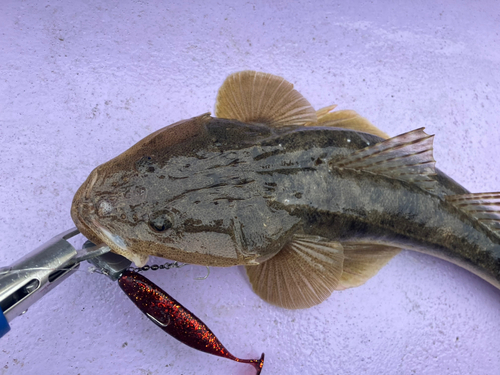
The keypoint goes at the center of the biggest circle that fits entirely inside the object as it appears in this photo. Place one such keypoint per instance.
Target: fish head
(168, 196)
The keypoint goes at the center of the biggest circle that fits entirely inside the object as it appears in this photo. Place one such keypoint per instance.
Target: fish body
(309, 201)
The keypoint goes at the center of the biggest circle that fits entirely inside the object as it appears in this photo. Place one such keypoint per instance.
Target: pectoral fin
(406, 157)
(362, 261)
(250, 96)
(309, 268)
(303, 274)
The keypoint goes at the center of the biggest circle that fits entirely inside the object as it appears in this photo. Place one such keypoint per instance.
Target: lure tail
(175, 319)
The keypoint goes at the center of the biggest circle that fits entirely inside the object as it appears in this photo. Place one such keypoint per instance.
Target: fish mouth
(118, 244)
(82, 209)
(83, 226)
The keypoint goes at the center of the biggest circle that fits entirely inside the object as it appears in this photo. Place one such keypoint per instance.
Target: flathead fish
(308, 201)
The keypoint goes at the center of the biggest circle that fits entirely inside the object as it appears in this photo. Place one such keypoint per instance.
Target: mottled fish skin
(230, 193)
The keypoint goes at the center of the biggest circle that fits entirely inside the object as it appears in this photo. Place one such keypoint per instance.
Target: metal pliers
(31, 277)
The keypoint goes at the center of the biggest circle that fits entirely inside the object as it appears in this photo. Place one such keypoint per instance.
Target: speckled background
(82, 81)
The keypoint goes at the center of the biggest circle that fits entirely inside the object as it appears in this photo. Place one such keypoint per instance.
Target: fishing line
(94, 269)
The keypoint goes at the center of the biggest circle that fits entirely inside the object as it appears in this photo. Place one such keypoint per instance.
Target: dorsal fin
(346, 119)
(303, 274)
(250, 96)
(325, 110)
(484, 207)
(406, 157)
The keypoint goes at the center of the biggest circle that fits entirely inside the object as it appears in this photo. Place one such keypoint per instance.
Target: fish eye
(160, 223)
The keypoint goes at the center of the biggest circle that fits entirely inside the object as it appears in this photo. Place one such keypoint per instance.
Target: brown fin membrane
(349, 119)
(406, 157)
(484, 207)
(346, 119)
(303, 274)
(325, 110)
(362, 261)
(250, 96)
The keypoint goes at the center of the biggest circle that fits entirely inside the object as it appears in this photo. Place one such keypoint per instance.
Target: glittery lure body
(175, 319)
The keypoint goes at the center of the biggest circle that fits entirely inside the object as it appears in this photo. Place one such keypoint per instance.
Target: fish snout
(82, 212)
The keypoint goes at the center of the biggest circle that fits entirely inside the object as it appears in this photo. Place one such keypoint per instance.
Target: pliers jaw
(110, 264)
(34, 275)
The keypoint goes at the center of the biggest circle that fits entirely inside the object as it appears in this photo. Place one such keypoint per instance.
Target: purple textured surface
(81, 83)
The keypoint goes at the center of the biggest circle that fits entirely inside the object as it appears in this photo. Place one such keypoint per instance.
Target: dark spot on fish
(196, 202)
(215, 166)
(177, 178)
(287, 163)
(161, 177)
(267, 186)
(151, 169)
(192, 223)
(243, 182)
(143, 164)
(230, 199)
(235, 162)
(318, 161)
(298, 195)
(269, 154)
(290, 171)
(160, 223)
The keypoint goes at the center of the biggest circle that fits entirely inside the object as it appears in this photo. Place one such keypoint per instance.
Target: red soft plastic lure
(175, 319)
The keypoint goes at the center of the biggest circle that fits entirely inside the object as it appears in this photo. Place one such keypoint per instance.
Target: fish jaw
(83, 207)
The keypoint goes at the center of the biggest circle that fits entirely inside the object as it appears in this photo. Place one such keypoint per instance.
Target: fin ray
(484, 207)
(362, 261)
(251, 96)
(303, 274)
(406, 157)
